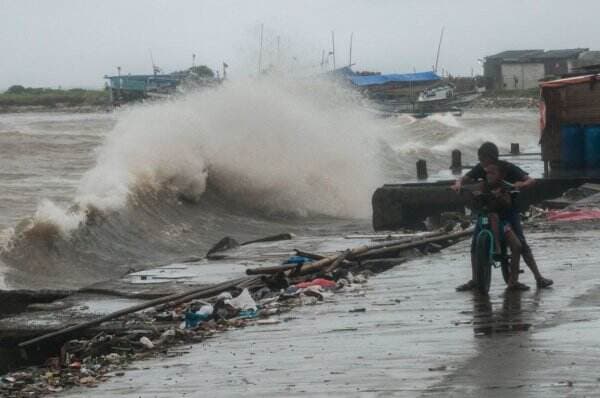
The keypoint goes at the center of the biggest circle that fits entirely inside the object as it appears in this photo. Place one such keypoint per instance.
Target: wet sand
(416, 337)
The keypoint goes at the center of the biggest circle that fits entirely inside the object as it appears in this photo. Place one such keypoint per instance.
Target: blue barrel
(592, 146)
(572, 147)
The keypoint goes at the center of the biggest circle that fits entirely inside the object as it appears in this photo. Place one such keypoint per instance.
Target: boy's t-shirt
(513, 174)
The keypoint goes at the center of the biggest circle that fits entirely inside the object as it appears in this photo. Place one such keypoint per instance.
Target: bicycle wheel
(483, 269)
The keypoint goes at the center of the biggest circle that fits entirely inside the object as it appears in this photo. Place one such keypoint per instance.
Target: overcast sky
(74, 43)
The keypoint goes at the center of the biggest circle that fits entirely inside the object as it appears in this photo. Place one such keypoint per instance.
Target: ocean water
(86, 197)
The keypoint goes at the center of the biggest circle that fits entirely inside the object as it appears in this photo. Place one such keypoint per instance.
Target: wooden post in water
(514, 148)
(421, 169)
(456, 165)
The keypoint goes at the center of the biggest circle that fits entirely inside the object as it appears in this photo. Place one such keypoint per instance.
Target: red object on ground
(325, 283)
(573, 215)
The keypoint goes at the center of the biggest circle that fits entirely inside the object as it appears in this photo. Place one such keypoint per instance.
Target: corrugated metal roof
(537, 55)
(566, 53)
(570, 80)
(514, 54)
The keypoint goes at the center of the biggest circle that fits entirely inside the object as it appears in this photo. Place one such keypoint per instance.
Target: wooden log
(313, 256)
(176, 298)
(338, 261)
(411, 245)
(318, 265)
(324, 261)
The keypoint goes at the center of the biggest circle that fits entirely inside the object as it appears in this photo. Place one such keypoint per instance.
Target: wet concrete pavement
(416, 337)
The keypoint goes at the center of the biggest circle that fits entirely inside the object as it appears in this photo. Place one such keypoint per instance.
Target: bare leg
(515, 257)
(494, 222)
(530, 261)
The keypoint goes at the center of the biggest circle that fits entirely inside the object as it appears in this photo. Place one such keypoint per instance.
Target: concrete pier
(408, 205)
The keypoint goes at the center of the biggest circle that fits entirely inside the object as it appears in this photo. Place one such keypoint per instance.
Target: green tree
(202, 71)
(16, 89)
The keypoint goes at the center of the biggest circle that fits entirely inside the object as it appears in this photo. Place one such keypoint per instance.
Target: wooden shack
(566, 101)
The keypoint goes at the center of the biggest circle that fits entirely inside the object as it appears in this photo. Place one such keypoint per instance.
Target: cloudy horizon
(74, 44)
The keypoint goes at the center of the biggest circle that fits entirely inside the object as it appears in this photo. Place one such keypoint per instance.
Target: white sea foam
(281, 145)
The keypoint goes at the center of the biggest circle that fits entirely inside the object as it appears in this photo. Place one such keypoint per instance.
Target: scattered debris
(224, 244)
(438, 368)
(149, 330)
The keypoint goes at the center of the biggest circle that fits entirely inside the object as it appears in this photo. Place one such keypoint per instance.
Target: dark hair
(488, 150)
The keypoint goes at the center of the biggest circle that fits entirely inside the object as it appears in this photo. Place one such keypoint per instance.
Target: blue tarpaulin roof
(376, 80)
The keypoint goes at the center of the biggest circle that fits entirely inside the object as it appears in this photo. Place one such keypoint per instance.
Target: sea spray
(283, 146)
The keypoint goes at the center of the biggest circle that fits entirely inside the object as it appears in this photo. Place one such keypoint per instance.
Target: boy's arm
(525, 183)
(472, 176)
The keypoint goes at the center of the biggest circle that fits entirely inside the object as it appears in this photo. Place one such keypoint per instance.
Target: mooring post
(514, 148)
(456, 165)
(421, 169)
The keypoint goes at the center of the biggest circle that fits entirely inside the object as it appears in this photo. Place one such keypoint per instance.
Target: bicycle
(485, 242)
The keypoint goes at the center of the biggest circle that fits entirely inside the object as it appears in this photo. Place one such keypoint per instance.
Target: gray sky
(75, 42)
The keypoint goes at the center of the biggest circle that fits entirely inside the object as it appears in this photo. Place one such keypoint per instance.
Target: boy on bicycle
(488, 154)
(494, 195)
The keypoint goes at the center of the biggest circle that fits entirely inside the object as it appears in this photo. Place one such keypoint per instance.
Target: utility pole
(350, 56)
(154, 68)
(322, 59)
(193, 60)
(260, 49)
(437, 57)
(333, 47)
(278, 52)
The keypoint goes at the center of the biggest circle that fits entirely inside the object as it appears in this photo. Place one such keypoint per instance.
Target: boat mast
(333, 47)
(260, 49)
(437, 56)
(350, 56)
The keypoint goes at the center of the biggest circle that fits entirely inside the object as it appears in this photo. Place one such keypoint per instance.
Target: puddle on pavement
(508, 318)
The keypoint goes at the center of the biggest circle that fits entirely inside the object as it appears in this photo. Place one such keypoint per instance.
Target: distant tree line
(18, 95)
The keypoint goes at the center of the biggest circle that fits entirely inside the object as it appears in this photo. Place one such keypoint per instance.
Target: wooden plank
(179, 297)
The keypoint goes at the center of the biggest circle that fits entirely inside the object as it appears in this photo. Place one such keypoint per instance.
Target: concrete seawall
(408, 205)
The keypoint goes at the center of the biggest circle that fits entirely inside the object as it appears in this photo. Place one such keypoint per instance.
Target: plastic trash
(243, 302)
(268, 321)
(314, 291)
(248, 314)
(574, 215)
(308, 300)
(224, 296)
(206, 310)
(146, 342)
(193, 319)
(324, 283)
(298, 260)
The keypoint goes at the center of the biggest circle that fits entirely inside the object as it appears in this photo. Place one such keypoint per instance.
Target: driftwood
(313, 256)
(306, 267)
(421, 242)
(338, 261)
(357, 253)
(174, 298)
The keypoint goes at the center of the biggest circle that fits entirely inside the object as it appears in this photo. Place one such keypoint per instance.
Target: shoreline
(55, 109)
(364, 308)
